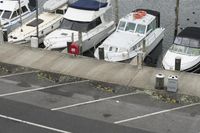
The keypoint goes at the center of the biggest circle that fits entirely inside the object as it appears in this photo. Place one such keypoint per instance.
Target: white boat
(127, 40)
(85, 17)
(51, 5)
(48, 21)
(10, 12)
(186, 46)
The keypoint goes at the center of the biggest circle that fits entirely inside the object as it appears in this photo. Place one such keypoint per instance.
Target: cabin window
(6, 14)
(1, 12)
(113, 49)
(24, 9)
(18, 11)
(151, 26)
(178, 48)
(121, 25)
(193, 51)
(185, 50)
(130, 27)
(59, 11)
(94, 23)
(34, 23)
(140, 29)
(74, 25)
(79, 26)
(14, 14)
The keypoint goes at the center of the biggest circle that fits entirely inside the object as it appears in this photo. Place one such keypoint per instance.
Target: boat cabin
(9, 9)
(87, 15)
(141, 25)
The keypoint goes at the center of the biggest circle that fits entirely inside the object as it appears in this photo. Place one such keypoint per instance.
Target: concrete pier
(119, 73)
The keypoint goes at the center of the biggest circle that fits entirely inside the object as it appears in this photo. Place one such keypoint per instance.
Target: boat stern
(188, 62)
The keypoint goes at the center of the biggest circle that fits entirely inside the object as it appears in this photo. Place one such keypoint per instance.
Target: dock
(92, 69)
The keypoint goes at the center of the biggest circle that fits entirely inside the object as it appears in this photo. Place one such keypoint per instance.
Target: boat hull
(152, 40)
(89, 40)
(194, 69)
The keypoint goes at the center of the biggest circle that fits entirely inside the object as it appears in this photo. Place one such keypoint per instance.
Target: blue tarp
(88, 5)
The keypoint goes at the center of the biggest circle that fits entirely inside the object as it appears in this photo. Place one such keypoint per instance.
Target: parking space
(44, 102)
(175, 120)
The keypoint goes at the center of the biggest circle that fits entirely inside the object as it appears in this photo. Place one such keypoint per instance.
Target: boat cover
(51, 5)
(88, 5)
(192, 34)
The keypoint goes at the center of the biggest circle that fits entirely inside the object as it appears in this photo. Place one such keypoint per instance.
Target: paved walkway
(119, 73)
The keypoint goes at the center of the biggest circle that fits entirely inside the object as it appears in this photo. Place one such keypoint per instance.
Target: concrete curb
(118, 73)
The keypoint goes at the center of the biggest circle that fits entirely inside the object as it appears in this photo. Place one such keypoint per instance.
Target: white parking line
(156, 113)
(42, 88)
(33, 124)
(93, 101)
(16, 74)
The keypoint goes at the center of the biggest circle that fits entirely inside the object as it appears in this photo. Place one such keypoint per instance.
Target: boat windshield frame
(184, 50)
(80, 26)
(137, 28)
(141, 29)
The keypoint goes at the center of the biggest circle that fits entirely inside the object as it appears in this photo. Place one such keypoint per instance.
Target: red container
(74, 49)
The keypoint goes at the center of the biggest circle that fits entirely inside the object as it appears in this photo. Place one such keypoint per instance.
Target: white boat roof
(12, 5)
(80, 15)
(148, 18)
(51, 5)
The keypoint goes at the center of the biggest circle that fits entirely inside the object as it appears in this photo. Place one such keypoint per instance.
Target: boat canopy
(80, 15)
(189, 37)
(88, 5)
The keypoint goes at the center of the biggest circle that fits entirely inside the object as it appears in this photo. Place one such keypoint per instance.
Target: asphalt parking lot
(38, 102)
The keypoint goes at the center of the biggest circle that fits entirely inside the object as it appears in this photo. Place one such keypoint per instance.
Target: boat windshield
(130, 27)
(6, 14)
(79, 26)
(140, 29)
(185, 50)
(121, 25)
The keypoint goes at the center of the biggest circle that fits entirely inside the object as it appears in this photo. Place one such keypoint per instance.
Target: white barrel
(172, 83)
(34, 42)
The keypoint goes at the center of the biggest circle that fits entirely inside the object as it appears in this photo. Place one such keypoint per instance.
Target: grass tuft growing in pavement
(172, 98)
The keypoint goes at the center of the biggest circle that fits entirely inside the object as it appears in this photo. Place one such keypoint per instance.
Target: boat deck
(47, 18)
